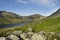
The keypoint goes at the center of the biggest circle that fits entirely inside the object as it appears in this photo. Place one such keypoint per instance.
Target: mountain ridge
(10, 17)
(48, 24)
(56, 13)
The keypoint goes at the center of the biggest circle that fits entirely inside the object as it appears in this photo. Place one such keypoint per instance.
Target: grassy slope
(50, 24)
(9, 18)
(47, 25)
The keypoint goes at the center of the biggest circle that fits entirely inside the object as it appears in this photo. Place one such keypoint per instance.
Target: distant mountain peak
(58, 9)
(56, 14)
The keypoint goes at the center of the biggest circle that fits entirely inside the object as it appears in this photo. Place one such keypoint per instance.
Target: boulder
(55, 39)
(9, 33)
(27, 39)
(52, 33)
(29, 34)
(17, 33)
(30, 29)
(37, 36)
(23, 36)
(12, 37)
(2, 38)
(42, 32)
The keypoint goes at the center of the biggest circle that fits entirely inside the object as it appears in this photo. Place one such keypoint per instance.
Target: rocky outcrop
(12, 37)
(2, 38)
(19, 35)
(39, 36)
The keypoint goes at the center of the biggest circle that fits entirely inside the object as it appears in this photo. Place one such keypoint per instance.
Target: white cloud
(46, 2)
(22, 1)
(39, 2)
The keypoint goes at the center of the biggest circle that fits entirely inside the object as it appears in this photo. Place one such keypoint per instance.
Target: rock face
(23, 36)
(2, 38)
(12, 37)
(37, 36)
(55, 14)
(19, 35)
(29, 34)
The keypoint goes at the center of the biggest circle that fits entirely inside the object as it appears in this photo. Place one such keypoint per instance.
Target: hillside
(10, 17)
(33, 17)
(55, 14)
(50, 24)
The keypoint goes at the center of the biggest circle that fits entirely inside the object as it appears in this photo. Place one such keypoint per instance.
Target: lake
(11, 25)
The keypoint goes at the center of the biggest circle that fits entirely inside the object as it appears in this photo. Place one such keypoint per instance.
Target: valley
(49, 24)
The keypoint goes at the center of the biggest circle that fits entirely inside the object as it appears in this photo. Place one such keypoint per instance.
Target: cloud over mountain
(38, 2)
(46, 2)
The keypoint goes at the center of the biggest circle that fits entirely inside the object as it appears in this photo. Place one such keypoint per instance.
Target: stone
(12, 37)
(42, 32)
(2, 38)
(26, 36)
(58, 34)
(27, 39)
(9, 33)
(29, 34)
(51, 33)
(17, 33)
(37, 36)
(30, 29)
(55, 39)
(23, 36)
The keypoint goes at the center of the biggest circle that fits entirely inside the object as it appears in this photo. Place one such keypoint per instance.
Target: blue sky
(29, 7)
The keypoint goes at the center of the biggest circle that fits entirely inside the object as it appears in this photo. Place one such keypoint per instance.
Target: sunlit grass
(47, 25)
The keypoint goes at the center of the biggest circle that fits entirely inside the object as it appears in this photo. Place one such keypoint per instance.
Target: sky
(29, 7)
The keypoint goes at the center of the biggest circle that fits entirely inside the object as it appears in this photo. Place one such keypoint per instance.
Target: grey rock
(38, 36)
(29, 34)
(17, 33)
(52, 33)
(30, 29)
(12, 37)
(42, 32)
(9, 33)
(55, 39)
(23, 36)
(2, 38)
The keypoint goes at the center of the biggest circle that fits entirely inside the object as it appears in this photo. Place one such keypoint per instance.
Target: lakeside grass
(47, 25)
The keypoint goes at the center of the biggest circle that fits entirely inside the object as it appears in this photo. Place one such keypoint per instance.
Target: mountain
(9, 17)
(36, 16)
(33, 17)
(50, 24)
(56, 14)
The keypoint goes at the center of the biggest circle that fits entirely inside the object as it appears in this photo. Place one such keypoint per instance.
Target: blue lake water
(11, 25)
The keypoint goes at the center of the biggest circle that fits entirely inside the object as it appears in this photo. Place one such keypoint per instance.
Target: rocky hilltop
(55, 14)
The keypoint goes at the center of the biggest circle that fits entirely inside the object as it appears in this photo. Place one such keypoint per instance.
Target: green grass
(47, 25)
